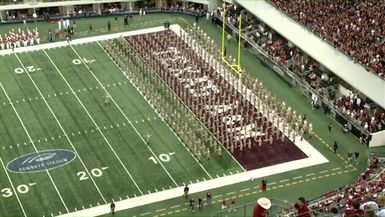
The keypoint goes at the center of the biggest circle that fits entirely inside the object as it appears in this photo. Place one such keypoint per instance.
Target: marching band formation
(213, 108)
(19, 38)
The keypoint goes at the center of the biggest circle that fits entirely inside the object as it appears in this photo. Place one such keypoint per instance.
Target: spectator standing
(192, 205)
(208, 197)
(330, 126)
(335, 147)
(196, 18)
(200, 203)
(260, 209)
(355, 210)
(301, 207)
(381, 203)
(232, 204)
(112, 208)
(356, 154)
(263, 184)
(34, 15)
(223, 205)
(91, 27)
(125, 20)
(185, 191)
(228, 38)
(109, 25)
(350, 156)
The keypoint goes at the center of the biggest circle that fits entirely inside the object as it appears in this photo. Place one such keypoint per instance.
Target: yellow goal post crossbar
(235, 67)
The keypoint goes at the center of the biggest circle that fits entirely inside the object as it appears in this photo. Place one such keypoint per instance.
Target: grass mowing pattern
(81, 124)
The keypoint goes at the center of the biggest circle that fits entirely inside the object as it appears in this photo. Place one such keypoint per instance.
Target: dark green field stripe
(118, 138)
(87, 148)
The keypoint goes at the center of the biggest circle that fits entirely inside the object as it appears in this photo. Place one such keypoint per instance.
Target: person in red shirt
(261, 208)
(355, 210)
(302, 209)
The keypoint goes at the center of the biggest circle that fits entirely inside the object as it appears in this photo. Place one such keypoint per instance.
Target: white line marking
(29, 137)
(146, 213)
(125, 116)
(61, 127)
(285, 180)
(176, 206)
(336, 168)
(219, 195)
(13, 188)
(93, 121)
(310, 174)
(230, 193)
(324, 171)
(160, 210)
(298, 177)
(246, 189)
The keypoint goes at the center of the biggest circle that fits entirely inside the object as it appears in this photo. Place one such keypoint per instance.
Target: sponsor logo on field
(40, 161)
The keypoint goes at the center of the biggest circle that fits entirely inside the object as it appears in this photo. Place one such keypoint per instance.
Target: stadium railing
(278, 208)
(293, 80)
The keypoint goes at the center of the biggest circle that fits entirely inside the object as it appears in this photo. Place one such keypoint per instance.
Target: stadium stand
(354, 27)
(364, 196)
(370, 118)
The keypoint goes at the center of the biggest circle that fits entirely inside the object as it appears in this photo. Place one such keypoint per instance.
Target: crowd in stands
(365, 196)
(354, 27)
(353, 106)
(19, 38)
(190, 7)
(304, 67)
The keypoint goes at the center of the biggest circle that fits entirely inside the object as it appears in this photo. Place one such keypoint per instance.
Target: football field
(67, 148)
(52, 103)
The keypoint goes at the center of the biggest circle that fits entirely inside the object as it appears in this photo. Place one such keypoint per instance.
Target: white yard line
(93, 121)
(185, 146)
(125, 116)
(13, 188)
(33, 143)
(66, 135)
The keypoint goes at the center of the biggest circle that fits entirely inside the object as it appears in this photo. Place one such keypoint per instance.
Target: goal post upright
(235, 67)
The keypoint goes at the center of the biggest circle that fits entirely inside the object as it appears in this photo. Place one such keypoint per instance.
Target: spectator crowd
(365, 196)
(307, 69)
(354, 27)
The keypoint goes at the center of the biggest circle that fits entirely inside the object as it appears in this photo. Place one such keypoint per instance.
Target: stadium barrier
(278, 208)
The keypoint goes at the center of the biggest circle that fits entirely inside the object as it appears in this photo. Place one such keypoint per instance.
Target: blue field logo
(40, 161)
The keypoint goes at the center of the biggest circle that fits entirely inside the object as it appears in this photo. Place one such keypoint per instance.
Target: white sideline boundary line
(127, 119)
(184, 145)
(33, 144)
(96, 125)
(13, 188)
(314, 158)
(78, 41)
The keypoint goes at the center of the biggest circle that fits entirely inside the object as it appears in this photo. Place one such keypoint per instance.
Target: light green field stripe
(94, 144)
(43, 189)
(119, 138)
(10, 201)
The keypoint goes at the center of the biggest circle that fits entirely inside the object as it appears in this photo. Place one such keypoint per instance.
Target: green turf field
(59, 104)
